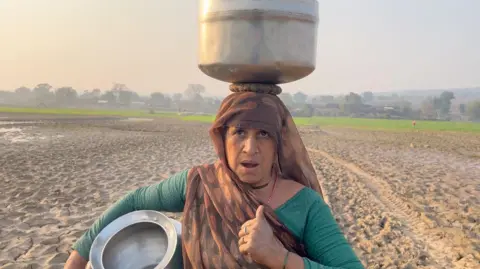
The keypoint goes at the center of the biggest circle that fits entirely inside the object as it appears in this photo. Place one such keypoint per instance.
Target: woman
(259, 206)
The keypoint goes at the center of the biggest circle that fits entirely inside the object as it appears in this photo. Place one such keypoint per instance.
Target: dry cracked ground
(402, 199)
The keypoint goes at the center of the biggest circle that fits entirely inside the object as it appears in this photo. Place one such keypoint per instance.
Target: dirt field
(403, 199)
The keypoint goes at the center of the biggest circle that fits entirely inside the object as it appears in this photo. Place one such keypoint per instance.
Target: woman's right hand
(75, 261)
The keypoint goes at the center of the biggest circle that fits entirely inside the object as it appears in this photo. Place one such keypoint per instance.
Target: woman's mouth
(249, 164)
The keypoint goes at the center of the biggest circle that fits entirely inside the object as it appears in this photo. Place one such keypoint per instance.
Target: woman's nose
(250, 146)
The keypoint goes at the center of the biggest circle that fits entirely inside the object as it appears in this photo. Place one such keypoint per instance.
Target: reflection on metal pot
(142, 239)
(258, 41)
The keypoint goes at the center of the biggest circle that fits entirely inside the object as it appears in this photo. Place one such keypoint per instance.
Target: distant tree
(157, 96)
(323, 99)
(42, 93)
(339, 99)
(437, 104)
(353, 98)
(5, 94)
(23, 91)
(211, 104)
(176, 97)
(85, 94)
(327, 98)
(306, 110)
(65, 96)
(90, 97)
(428, 108)
(168, 101)
(96, 93)
(473, 110)
(352, 103)
(110, 97)
(405, 107)
(300, 98)
(462, 108)
(116, 87)
(287, 99)
(125, 97)
(42, 89)
(157, 99)
(445, 101)
(194, 92)
(367, 96)
(177, 100)
(135, 96)
(384, 97)
(6, 98)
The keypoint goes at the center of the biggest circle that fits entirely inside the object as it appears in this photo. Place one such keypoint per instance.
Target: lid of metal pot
(143, 239)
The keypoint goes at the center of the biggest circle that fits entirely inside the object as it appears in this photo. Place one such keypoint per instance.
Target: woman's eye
(263, 134)
(239, 132)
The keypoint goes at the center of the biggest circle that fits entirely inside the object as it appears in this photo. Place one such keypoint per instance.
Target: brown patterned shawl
(217, 203)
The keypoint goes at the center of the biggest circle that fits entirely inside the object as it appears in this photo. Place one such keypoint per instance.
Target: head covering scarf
(218, 203)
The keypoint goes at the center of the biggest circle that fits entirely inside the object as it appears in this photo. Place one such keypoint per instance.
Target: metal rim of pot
(132, 218)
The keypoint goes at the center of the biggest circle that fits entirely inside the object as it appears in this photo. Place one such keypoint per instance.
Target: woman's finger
(249, 222)
(242, 240)
(244, 248)
(246, 229)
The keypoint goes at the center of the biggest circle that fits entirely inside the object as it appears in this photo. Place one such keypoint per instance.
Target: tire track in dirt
(438, 249)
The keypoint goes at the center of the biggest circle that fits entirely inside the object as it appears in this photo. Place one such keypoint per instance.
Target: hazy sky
(151, 45)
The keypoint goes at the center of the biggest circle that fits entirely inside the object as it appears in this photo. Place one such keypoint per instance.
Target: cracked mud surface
(403, 200)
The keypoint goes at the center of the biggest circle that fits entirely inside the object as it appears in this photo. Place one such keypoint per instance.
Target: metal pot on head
(142, 239)
(258, 41)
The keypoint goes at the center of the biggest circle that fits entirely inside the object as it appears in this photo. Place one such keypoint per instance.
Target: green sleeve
(325, 244)
(167, 195)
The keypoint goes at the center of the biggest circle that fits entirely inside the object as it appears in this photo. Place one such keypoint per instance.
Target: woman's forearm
(167, 195)
(294, 261)
(75, 261)
(120, 208)
(280, 260)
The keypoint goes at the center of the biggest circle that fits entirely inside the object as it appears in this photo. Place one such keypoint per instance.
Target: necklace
(261, 186)
(273, 189)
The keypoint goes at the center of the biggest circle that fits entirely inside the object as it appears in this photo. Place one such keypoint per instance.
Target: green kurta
(306, 215)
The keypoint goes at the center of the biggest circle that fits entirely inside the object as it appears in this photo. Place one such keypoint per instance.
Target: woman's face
(250, 154)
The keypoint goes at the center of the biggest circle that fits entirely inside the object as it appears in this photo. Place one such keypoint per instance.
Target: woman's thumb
(260, 214)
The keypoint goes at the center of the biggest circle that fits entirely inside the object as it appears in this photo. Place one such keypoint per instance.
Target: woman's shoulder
(312, 197)
(295, 187)
(188, 176)
(289, 187)
(296, 192)
(180, 175)
(176, 182)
